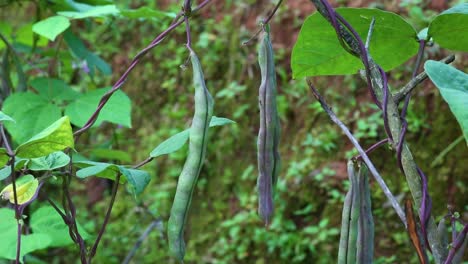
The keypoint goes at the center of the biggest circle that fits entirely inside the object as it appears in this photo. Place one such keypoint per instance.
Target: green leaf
(98, 11)
(453, 86)
(98, 169)
(5, 117)
(54, 89)
(47, 221)
(146, 12)
(3, 157)
(318, 51)
(220, 121)
(138, 179)
(117, 110)
(450, 28)
(6, 171)
(171, 144)
(51, 27)
(50, 162)
(26, 187)
(57, 136)
(178, 140)
(111, 154)
(32, 112)
(94, 60)
(79, 50)
(26, 36)
(6, 29)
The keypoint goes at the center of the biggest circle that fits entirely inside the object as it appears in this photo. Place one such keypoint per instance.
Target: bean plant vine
(33, 161)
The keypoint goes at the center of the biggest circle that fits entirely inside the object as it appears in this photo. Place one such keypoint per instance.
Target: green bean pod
(365, 249)
(345, 217)
(269, 130)
(353, 221)
(194, 162)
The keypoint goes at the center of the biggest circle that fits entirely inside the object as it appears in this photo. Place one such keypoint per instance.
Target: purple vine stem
(385, 103)
(134, 62)
(18, 215)
(426, 204)
(456, 244)
(264, 22)
(106, 219)
(370, 149)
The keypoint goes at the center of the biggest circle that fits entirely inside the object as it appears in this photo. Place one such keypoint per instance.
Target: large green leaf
(453, 86)
(54, 89)
(47, 221)
(117, 110)
(32, 113)
(57, 136)
(50, 162)
(178, 140)
(51, 27)
(29, 243)
(97, 11)
(450, 28)
(318, 51)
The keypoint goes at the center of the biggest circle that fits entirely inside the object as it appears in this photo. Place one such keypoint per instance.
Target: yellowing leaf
(26, 187)
(56, 137)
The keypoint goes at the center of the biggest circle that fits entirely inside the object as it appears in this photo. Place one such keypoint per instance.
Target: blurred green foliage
(223, 226)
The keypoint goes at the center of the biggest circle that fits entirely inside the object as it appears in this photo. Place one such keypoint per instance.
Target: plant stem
(140, 240)
(401, 94)
(115, 188)
(361, 151)
(409, 166)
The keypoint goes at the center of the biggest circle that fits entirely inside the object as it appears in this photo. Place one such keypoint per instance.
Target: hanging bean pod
(194, 162)
(269, 131)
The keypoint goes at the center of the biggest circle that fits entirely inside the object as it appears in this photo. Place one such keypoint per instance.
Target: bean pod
(193, 164)
(269, 130)
(357, 224)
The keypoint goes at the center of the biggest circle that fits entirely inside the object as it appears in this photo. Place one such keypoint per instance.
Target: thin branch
(11, 153)
(361, 151)
(263, 23)
(140, 240)
(371, 148)
(141, 164)
(400, 95)
(92, 252)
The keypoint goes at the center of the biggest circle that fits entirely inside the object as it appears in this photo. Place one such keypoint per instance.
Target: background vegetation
(223, 225)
